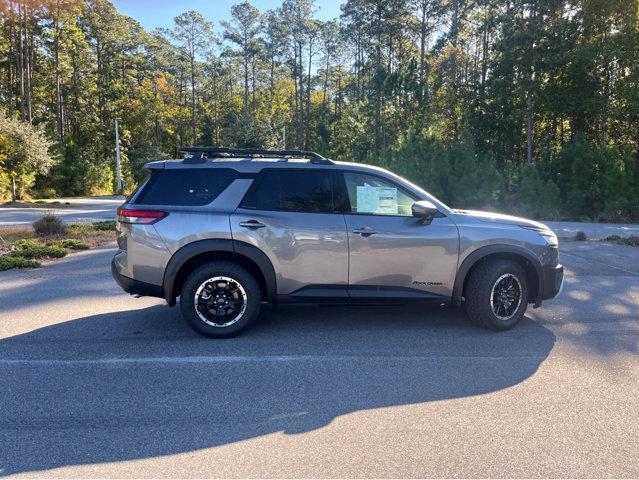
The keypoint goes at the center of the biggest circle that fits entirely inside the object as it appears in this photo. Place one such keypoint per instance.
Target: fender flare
(481, 253)
(184, 254)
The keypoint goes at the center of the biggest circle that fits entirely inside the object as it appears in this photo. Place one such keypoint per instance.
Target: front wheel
(497, 294)
(220, 299)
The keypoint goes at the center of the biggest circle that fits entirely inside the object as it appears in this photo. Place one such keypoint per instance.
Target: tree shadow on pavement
(139, 384)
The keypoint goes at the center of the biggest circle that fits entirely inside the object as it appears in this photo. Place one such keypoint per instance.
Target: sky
(160, 13)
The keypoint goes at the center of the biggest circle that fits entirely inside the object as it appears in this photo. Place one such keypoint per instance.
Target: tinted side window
(185, 186)
(292, 191)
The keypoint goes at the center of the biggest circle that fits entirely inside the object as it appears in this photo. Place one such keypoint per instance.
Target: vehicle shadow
(138, 384)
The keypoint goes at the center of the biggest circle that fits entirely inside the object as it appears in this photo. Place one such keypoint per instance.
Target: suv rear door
(292, 215)
(392, 253)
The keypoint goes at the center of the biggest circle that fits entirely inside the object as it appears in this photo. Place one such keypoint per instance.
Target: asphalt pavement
(96, 383)
(78, 210)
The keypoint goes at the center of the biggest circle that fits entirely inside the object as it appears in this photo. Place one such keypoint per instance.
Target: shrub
(581, 236)
(31, 248)
(104, 226)
(7, 262)
(49, 224)
(633, 240)
(71, 244)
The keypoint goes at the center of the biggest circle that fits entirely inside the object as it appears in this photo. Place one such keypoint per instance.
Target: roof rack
(200, 154)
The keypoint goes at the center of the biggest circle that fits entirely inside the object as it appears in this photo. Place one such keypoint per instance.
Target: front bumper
(135, 287)
(552, 281)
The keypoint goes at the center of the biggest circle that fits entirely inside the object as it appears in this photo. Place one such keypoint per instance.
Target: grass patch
(7, 262)
(106, 226)
(11, 234)
(21, 246)
(72, 244)
(632, 241)
(32, 248)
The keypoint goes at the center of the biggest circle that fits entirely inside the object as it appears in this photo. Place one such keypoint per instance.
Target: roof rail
(200, 154)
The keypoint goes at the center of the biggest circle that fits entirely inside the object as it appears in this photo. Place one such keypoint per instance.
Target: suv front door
(392, 253)
(293, 217)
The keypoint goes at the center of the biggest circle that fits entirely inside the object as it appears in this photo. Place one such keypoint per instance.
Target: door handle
(252, 224)
(364, 231)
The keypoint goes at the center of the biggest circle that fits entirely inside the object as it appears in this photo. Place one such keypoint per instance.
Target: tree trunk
(246, 78)
(301, 132)
(529, 127)
(422, 52)
(29, 65)
(14, 192)
(21, 56)
(11, 98)
(253, 88)
(193, 99)
(308, 93)
(58, 99)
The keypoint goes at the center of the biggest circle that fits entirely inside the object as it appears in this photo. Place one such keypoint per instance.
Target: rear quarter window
(185, 186)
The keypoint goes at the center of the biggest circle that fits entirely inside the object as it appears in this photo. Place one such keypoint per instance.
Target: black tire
(479, 291)
(198, 278)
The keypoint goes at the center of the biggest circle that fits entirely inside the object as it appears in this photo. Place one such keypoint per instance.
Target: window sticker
(379, 200)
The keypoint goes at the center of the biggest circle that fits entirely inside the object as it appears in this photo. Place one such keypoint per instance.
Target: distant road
(82, 209)
(93, 209)
(594, 230)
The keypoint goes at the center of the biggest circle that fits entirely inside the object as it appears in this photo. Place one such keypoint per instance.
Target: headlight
(548, 235)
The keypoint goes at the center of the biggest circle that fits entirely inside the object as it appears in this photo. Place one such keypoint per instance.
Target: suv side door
(392, 253)
(291, 214)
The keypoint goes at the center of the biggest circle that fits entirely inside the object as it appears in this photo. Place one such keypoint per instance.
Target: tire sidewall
(214, 269)
(500, 269)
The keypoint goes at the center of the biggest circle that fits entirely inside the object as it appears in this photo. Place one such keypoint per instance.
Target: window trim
(382, 177)
(265, 171)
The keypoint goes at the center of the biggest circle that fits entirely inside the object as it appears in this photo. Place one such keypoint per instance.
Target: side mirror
(424, 210)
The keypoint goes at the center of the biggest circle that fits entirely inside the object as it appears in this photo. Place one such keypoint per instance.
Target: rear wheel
(497, 294)
(220, 299)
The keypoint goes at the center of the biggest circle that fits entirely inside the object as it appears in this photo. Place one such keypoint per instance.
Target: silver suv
(227, 230)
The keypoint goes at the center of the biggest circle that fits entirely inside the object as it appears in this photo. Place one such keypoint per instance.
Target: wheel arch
(194, 254)
(528, 261)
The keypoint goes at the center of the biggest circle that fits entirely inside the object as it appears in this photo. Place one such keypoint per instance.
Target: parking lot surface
(96, 383)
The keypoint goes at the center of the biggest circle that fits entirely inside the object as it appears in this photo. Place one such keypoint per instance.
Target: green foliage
(24, 152)
(31, 248)
(532, 107)
(108, 225)
(7, 262)
(49, 224)
(632, 241)
(71, 244)
(535, 196)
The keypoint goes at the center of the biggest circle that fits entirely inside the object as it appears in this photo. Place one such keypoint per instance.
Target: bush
(31, 248)
(633, 240)
(104, 226)
(7, 262)
(71, 244)
(49, 224)
(581, 236)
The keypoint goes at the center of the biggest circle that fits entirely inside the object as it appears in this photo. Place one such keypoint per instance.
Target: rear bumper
(552, 281)
(135, 287)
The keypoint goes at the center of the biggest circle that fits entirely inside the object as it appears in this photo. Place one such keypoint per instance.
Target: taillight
(140, 216)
